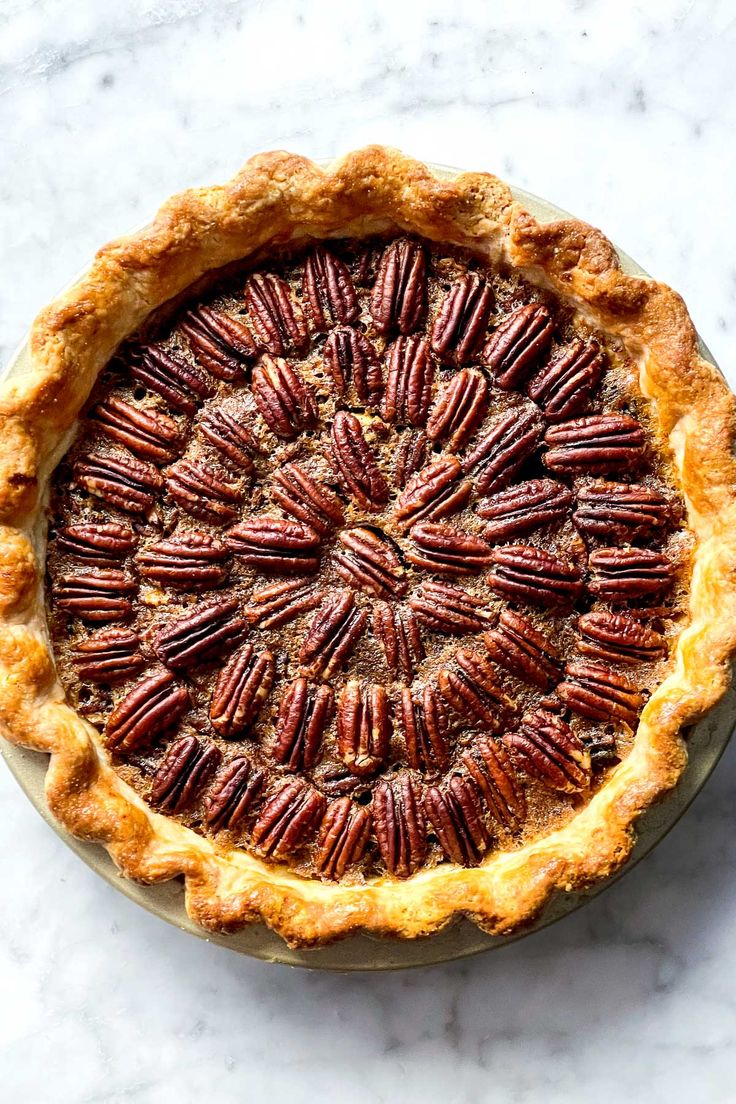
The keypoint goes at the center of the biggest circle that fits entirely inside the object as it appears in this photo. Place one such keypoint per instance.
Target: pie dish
(390, 550)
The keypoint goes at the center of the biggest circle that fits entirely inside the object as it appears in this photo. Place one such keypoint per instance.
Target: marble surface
(625, 115)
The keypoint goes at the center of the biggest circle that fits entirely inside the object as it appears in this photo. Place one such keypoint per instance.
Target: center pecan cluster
(396, 458)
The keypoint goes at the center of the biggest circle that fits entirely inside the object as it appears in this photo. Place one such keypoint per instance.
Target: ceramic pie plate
(706, 743)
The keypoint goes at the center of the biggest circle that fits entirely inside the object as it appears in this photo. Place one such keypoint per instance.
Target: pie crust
(279, 198)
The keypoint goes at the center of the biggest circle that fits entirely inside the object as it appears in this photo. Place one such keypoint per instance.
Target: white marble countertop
(624, 114)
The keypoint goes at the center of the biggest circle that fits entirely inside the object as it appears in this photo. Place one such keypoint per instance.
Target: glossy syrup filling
(366, 559)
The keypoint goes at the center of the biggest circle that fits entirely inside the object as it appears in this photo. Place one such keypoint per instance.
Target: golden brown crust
(277, 197)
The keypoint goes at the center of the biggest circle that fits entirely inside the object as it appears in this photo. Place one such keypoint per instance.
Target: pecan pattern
(232, 438)
(96, 543)
(332, 636)
(355, 463)
(595, 444)
(437, 491)
(447, 550)
(456, 816)
(185, 771)
(620, 511)
(102, 595)
(153, 706)
(622, 574)
(525, 507)
(275, 546)
(526, 574)
(129, 484)
(409, 381)
(462, 319)
(370, 563)
(287, 819)
(399, 294)
(182, 385)
(150, 434)
(307, 499)
(426, 727)
(343, 836)
(564, 386)
(446, 608)
(278, 604)
(524, 651)
(328, 290)
(412, 454)
(222, 344)
(548, 749)
(400, 825)
(232, 795)
(516, 346)
(287, 404)
(489, 765)
(398, 633)
(474, 692)
(363, 727)
(191, 560)
(304, 714)
(351, 358)
(619, 638)
(203, 493)
(277, 320)
(498, 455)
(241, 691)
(201, 634)
(459, 409)
(599, 693)
(109, 656)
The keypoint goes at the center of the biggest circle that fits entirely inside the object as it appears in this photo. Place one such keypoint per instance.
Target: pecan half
(597, 692)
(618, 638)
(355, 463)
(399, 294)
(448, 550)
(412, 454)
(191, 559)
(399, 824)
(275, 546)
(449, 609)
(306, 498)
(462, 319)
(598, 443)
(523, 573)
(148, 433)
(371, 563)
(499, 454)
(277, 320)
(204, 493)
(287, 819)
(562, 388)
(624, 573)
(398, 633)
(549, 750)
(518, 647)
(119, 479)
(350, 358)
(456, 816)
(222, 344)
(181, 384)
(109, 656)
(232, 795)
(459, 408)
(343, 836)
(241, 691)
(96, 595)
(335, 780)
(185, 771)
(363, 727)
(153, 706)
(489, 765)
(409, 380)
(231, 437)
(96, 542)
(280, 603)
(328, 290)
(620, 511)
(426, 726)
(436, 491)
(304, 714)
(200, 634)
(333, 635)
(517, 344)
(472, 689)
(287, 404)
(525, 507)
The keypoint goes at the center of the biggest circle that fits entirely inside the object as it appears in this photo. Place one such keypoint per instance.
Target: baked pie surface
(389, 557)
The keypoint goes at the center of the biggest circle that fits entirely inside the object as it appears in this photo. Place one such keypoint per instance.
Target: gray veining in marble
(622, 113)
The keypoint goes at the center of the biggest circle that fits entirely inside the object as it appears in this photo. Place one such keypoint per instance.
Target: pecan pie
(390, 550)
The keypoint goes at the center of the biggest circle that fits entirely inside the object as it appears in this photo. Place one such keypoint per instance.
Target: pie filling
(366, 559)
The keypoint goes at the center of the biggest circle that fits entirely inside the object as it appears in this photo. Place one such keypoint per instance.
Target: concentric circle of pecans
(184, 772)
(241, 691)
(355, 464)
(548, 749)
(363, 727)
(350, 358)
(517, 344)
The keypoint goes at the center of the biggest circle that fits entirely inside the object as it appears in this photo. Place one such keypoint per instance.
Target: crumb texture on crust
(279, 197)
